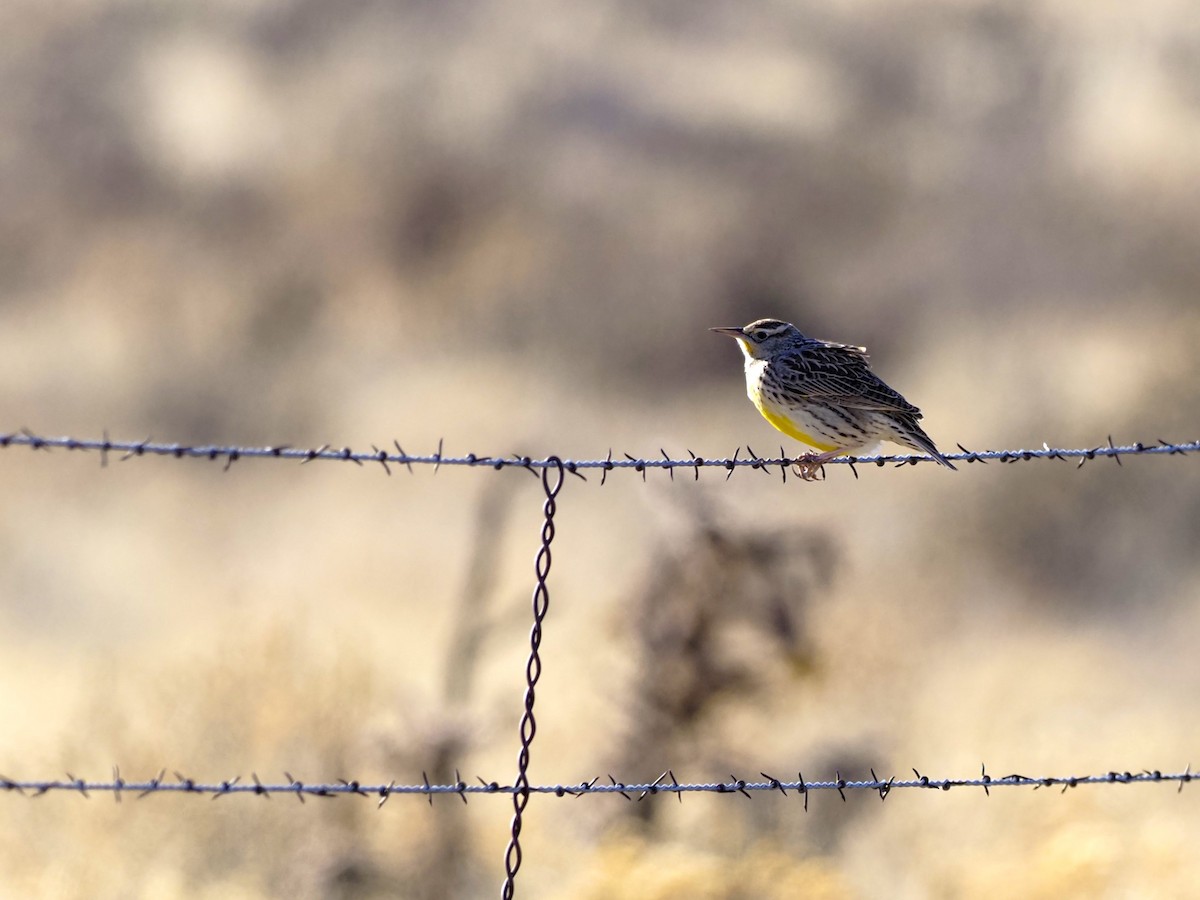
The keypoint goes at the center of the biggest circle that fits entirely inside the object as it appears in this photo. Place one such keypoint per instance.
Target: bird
(824, 394)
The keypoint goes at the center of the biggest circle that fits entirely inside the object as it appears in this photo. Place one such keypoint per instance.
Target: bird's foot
(810, 467)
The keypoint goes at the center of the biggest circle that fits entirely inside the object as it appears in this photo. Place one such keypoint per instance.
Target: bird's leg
(811, 465)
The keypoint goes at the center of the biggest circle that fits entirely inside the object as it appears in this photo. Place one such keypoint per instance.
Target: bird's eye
(758, 335)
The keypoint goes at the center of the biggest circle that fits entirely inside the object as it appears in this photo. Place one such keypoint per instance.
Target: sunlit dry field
(507, 227)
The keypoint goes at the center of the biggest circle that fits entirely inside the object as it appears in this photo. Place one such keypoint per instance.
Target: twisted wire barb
(386, 459)
(552, 481)
(800, 786)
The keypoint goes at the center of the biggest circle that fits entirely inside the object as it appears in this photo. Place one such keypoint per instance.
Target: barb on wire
(552, 481)
(147, 447)
(735, 785)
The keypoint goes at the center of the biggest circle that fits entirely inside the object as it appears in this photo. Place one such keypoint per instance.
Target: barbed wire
(666, 783)
(551, 470)
(232, 453)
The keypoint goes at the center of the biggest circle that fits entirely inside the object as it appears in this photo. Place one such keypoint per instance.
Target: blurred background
(508, 225)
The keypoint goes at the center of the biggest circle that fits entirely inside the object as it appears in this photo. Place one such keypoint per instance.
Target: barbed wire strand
(552, 482)
(231, 454)
(661, 785)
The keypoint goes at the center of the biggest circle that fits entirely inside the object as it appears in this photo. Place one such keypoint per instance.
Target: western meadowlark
(824, 394)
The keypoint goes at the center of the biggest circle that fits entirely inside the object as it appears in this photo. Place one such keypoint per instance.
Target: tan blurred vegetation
(508, 225)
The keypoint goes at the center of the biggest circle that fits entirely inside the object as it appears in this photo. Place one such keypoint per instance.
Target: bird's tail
(913, 436)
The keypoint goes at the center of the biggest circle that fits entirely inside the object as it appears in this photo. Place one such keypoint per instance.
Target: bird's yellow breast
(789, 427)
(790, 422)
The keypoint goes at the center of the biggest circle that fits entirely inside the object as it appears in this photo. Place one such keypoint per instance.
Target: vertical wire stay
(552, 480)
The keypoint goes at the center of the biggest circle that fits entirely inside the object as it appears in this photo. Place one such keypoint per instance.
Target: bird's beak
(732, 331)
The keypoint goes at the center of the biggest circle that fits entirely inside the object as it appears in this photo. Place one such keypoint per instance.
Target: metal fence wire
(552, 471)
(385, 458)
(552, 481)
(666, 783)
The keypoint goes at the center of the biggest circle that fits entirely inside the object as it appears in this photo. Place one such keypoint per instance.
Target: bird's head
(762, 339)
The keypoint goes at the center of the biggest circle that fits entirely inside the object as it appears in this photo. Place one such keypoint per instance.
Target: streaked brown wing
(839, 373)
